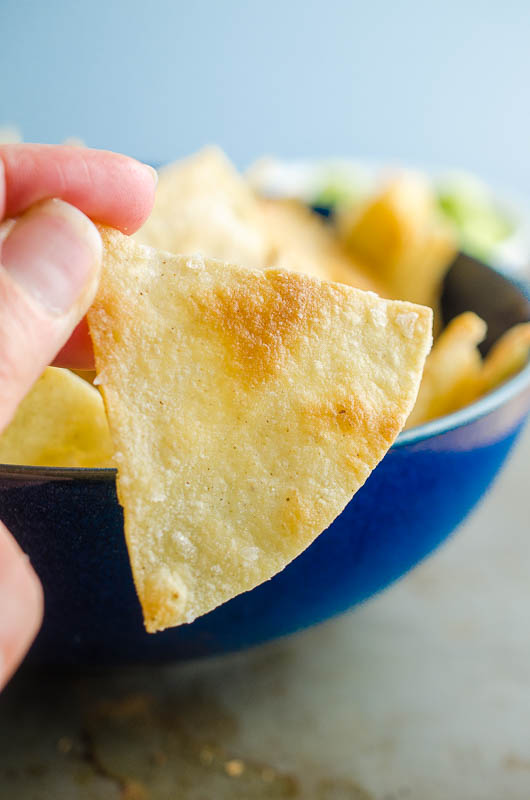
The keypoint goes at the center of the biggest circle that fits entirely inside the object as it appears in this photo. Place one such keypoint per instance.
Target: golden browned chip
(246, 408)
(506, 357)
(60, 423)
(399, 234)
(203, 205)
(304, 243)
(453, 370)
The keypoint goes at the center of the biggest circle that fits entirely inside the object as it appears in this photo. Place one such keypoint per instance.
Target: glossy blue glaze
(71, 525)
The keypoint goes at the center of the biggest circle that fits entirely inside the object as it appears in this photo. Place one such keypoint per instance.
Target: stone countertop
(422, 694)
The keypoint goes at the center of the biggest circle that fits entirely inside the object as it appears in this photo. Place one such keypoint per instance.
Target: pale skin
(49, 267)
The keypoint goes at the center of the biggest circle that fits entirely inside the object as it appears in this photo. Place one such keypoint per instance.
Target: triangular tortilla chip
(453, 371)
(203, 205)
(507, 357)
(60, 423)
(246, 408)
(400, 234)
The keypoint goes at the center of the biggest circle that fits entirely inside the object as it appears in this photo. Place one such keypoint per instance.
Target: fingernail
(54, 253)
(154, 173)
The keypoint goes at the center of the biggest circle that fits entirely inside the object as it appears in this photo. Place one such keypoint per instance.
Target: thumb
(50, 260)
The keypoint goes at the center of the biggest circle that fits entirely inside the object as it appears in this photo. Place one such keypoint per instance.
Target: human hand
(50, 258)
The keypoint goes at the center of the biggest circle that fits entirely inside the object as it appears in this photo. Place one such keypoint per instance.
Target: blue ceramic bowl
(70, 523)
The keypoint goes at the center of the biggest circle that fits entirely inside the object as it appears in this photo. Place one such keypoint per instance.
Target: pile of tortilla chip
(254, 363)
(394, 243)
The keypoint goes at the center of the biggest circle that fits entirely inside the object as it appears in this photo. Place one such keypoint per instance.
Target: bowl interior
(471, 285)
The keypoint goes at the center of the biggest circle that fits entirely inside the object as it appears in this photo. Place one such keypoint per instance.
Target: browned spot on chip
(295, 514)
(352, 416)
(261, 327)
(162, 593)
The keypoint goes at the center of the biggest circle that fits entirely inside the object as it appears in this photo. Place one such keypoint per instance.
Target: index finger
(108, 187)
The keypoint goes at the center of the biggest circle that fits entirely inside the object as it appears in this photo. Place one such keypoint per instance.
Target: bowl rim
(463, 416)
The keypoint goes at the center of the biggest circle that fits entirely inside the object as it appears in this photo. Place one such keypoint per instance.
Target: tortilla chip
(400, 235)
(453, 370)
(203, 205)
(507, 357)
(60, 423)
(246, 409)
(303, 242)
